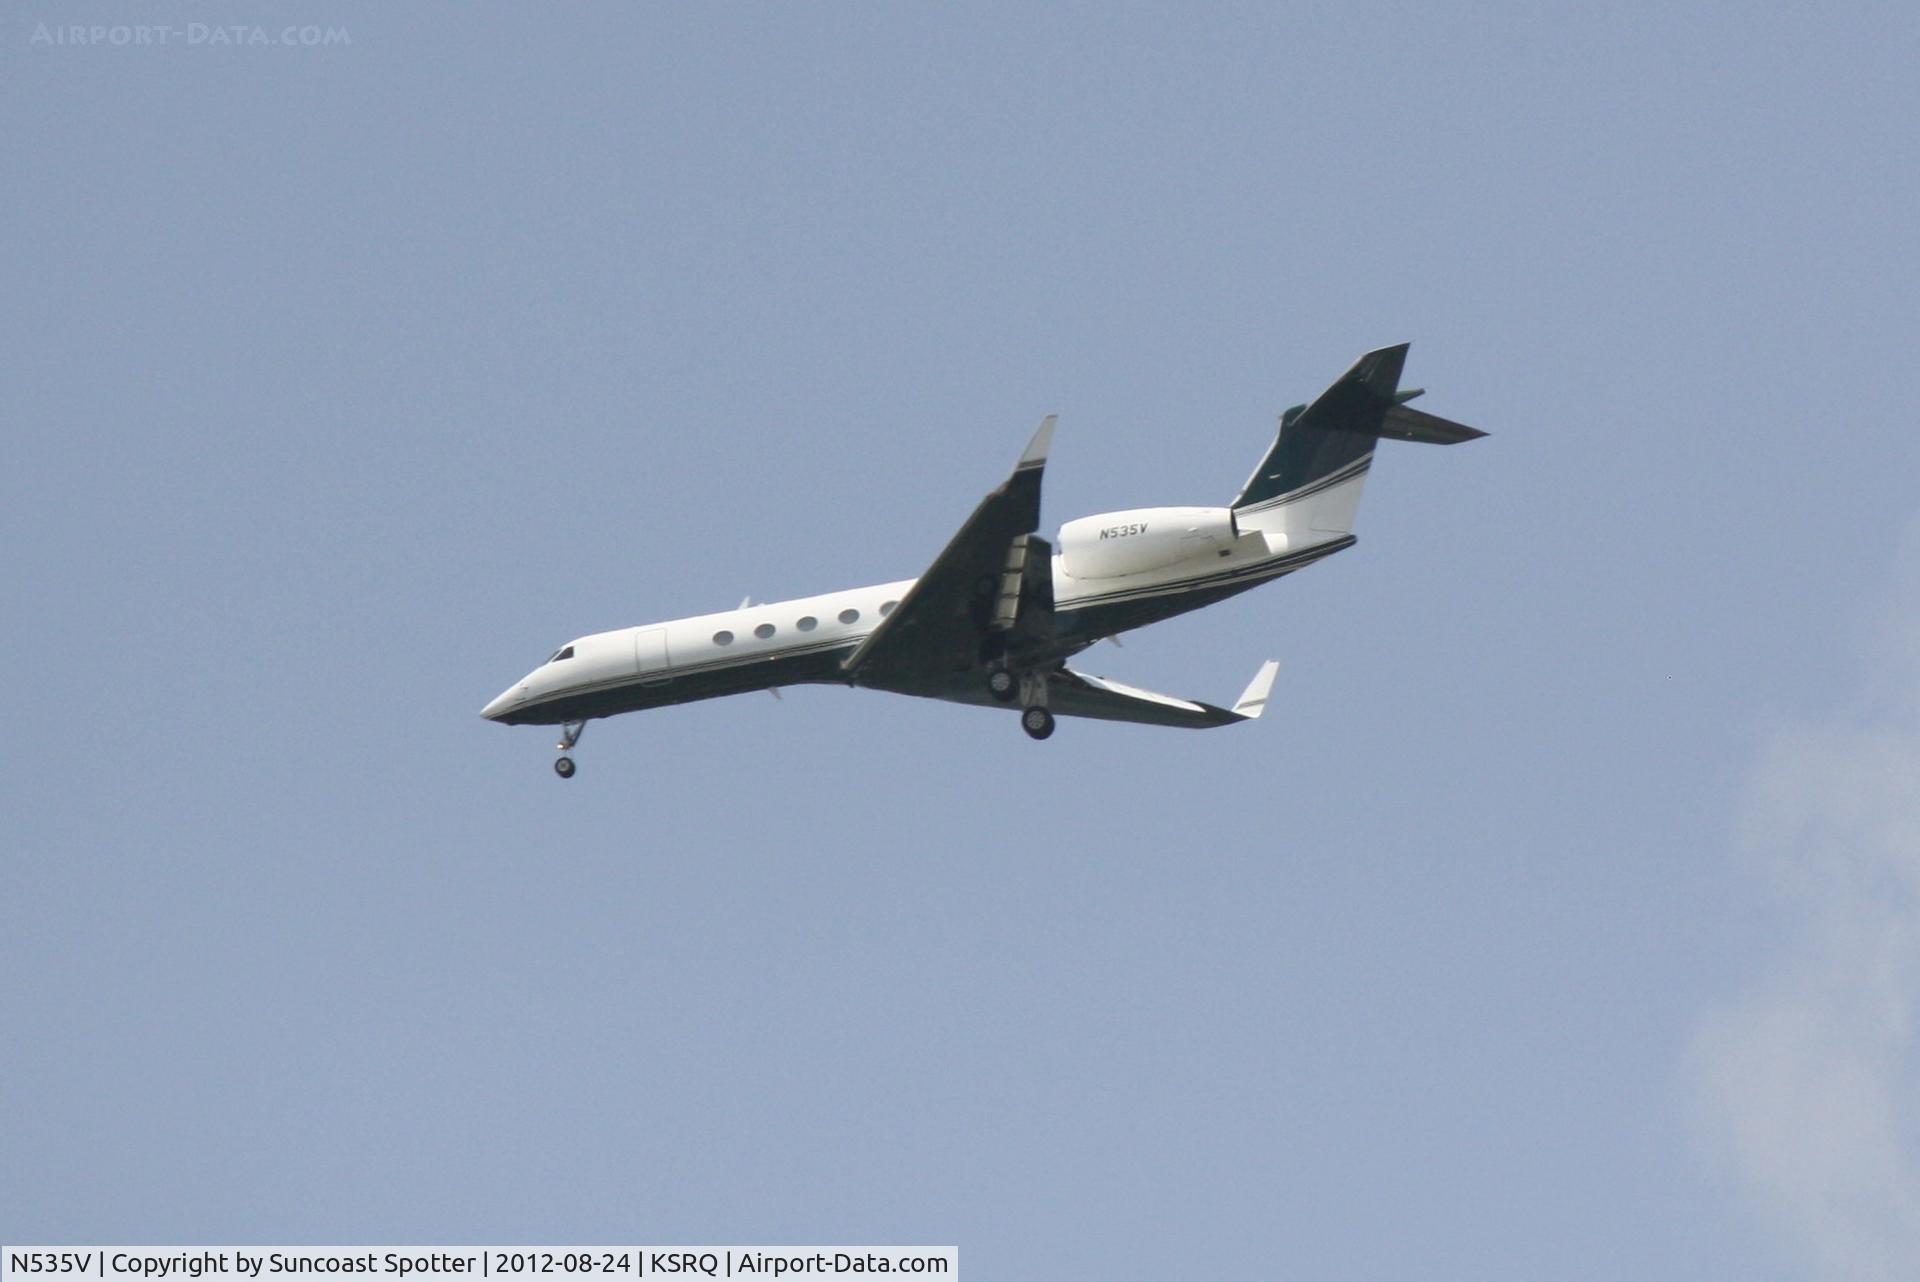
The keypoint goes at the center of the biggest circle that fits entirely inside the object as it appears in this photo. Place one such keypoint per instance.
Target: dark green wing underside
(941, 622)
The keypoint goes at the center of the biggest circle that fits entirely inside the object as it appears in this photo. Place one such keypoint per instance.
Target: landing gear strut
(569, 735)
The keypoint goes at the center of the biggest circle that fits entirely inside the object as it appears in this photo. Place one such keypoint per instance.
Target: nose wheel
(569, 735)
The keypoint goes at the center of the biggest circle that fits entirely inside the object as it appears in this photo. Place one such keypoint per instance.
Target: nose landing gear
(569, 735)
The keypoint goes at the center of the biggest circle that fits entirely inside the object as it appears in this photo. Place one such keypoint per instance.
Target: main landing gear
(1030, 688)
(569, 735)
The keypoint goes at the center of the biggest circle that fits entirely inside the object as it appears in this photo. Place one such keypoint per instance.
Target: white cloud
(1808, 1086)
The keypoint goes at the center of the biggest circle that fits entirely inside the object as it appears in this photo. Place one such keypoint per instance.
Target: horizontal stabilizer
(1403, 424)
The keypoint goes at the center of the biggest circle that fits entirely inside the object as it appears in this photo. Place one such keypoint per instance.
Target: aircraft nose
(508, 699)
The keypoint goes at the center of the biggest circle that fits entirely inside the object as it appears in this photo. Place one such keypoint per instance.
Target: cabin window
(886, 608)
(565, 652)
(849, 616)
(807, 623)
(764, 631)
(723, 637)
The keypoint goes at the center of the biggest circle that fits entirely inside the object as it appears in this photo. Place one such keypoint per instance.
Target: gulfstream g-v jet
(997, 615)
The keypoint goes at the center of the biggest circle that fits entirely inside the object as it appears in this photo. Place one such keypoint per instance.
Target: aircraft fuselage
(806, 640)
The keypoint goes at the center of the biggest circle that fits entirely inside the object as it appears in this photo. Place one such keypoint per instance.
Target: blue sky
(1556, 921)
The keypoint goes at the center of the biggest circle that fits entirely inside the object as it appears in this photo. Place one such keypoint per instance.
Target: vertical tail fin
(1320, 458)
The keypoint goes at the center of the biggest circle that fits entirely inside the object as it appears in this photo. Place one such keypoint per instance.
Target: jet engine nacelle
(1114, 544)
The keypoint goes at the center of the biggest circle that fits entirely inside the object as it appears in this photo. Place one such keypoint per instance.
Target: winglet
(1254, 701)
(1036, 453)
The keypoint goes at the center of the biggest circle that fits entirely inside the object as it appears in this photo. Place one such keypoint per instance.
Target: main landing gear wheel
(1002, 685)
(1037, 722)
(564, 767)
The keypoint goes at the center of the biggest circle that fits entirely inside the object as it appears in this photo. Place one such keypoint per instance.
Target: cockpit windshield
(565, 652)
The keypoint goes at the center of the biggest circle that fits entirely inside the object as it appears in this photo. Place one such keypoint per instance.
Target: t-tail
(1309, 483)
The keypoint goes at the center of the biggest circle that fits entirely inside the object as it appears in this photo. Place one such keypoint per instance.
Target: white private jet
(999, 612)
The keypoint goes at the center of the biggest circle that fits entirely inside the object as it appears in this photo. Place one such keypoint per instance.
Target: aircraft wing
(940, 623)
(1075, 694)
